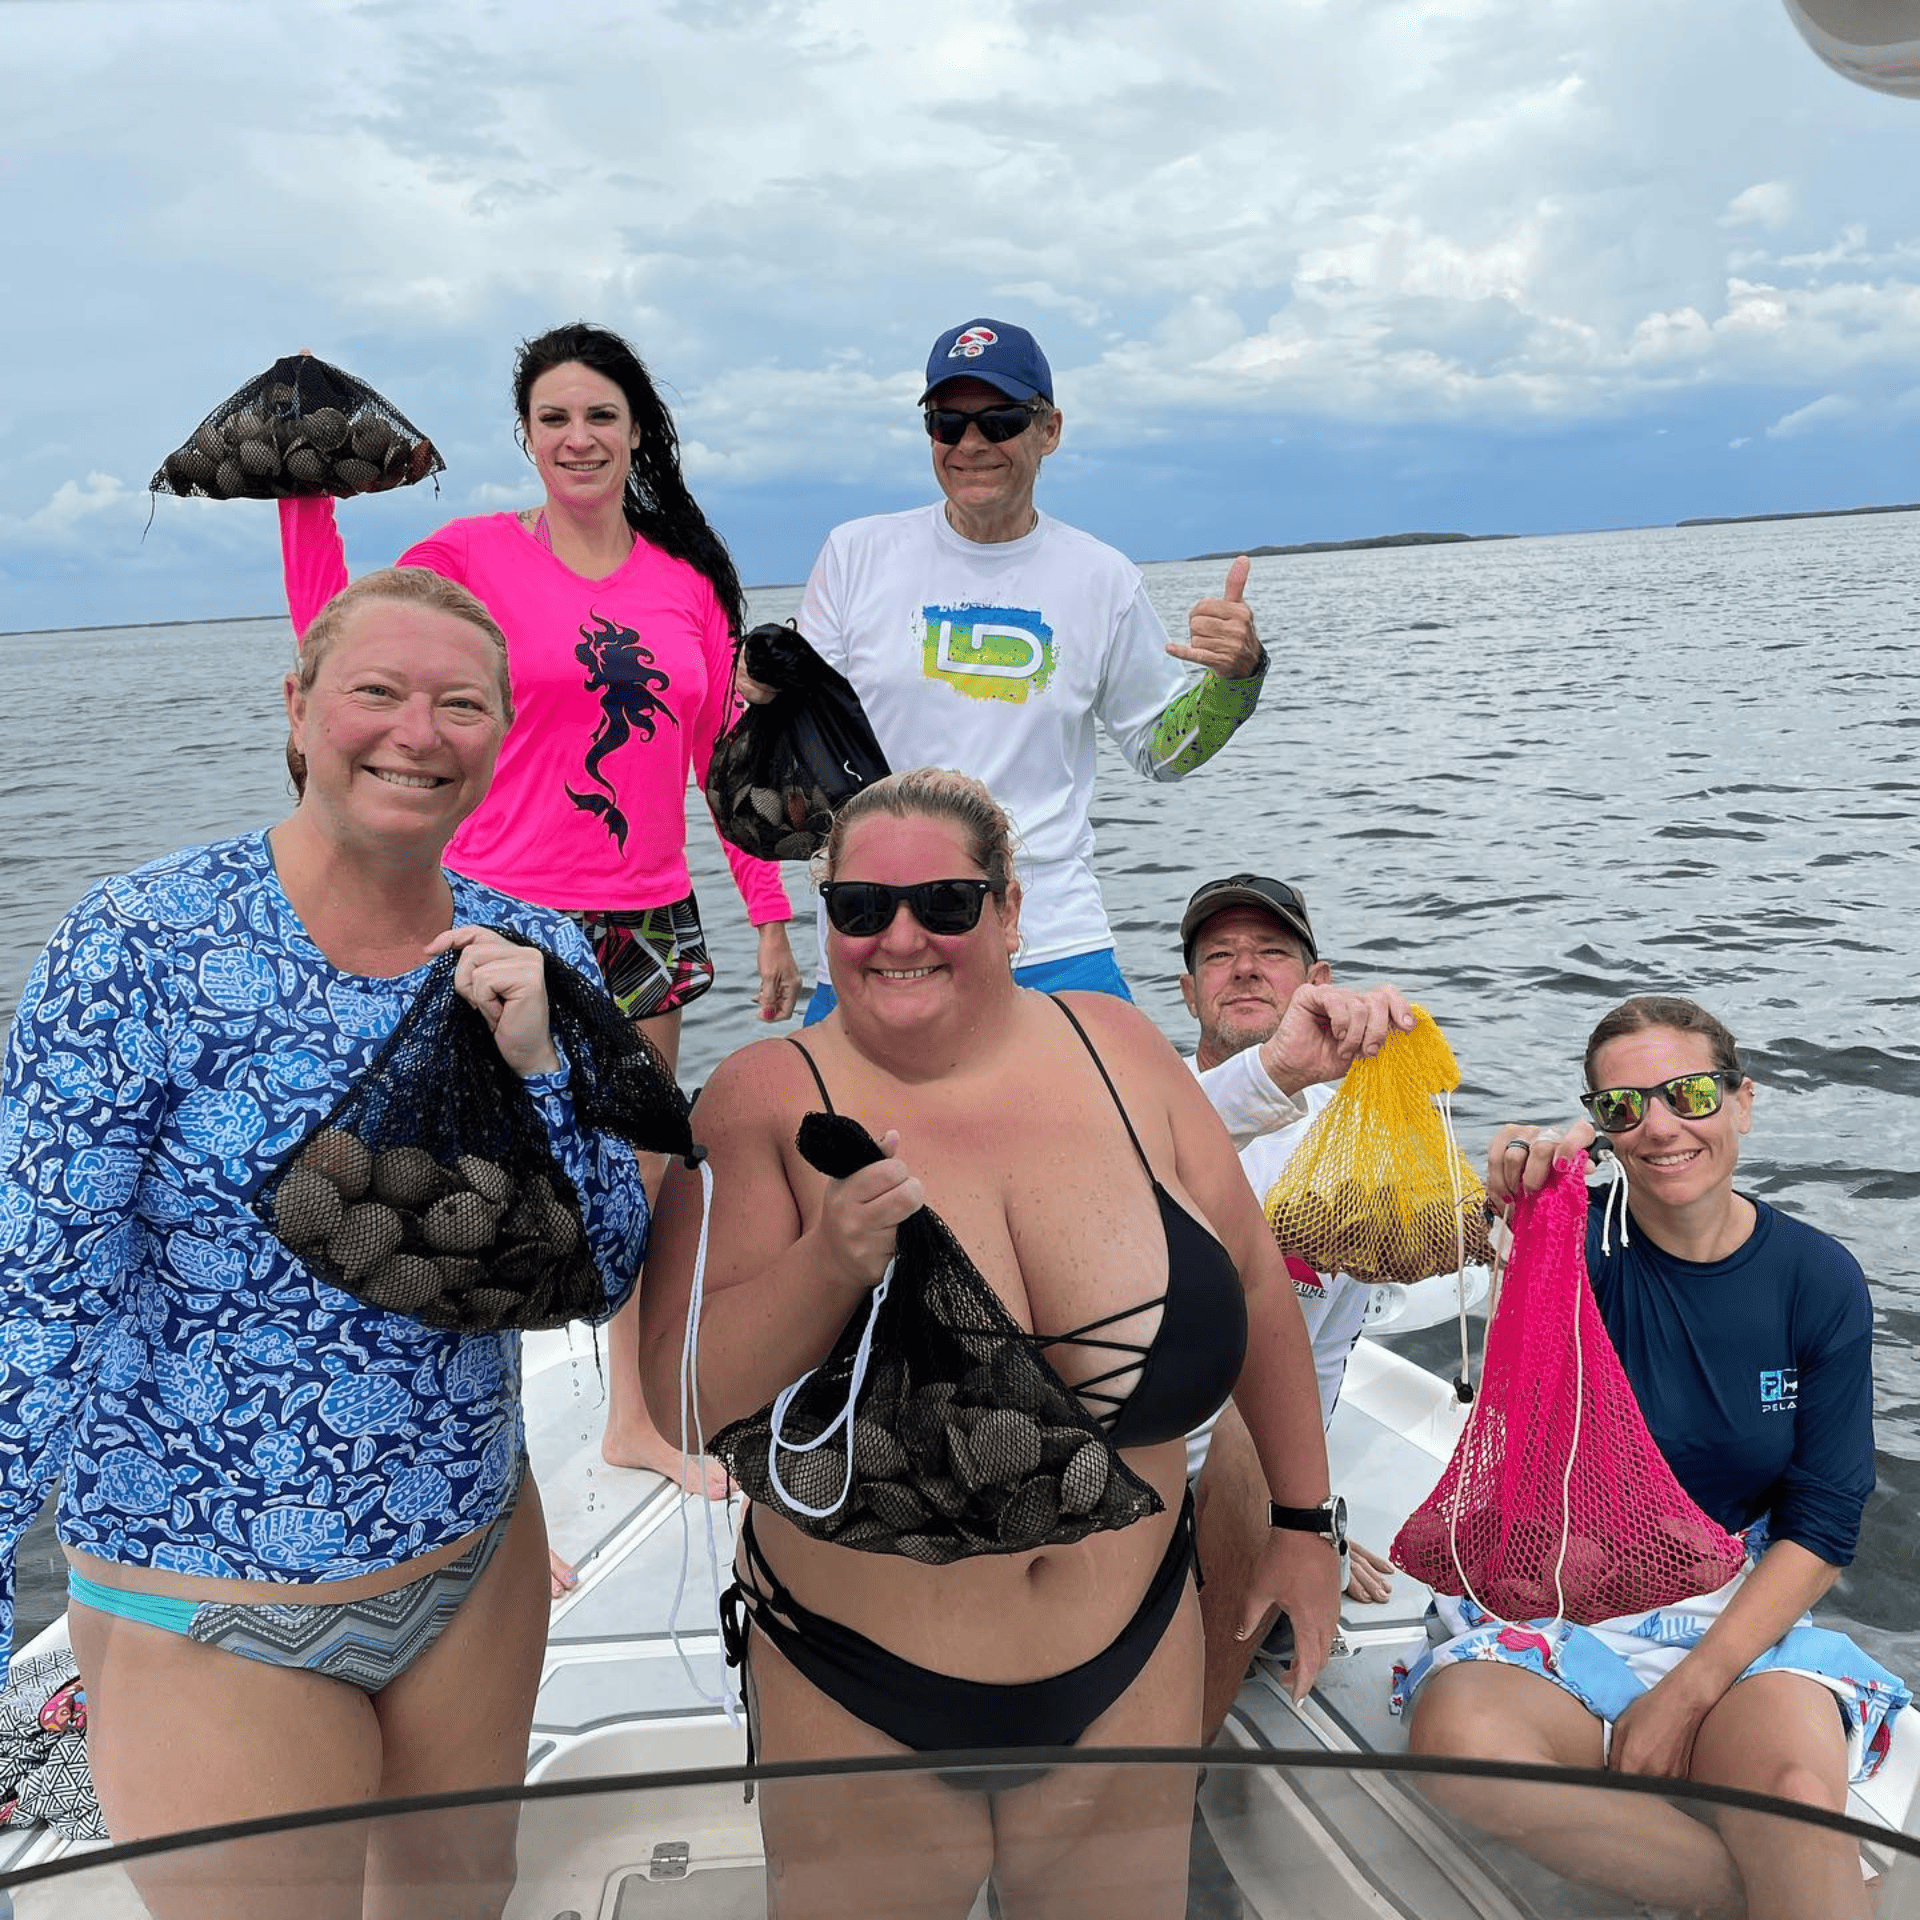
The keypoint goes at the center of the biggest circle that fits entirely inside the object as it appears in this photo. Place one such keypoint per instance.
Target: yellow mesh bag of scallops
(1378, 1188)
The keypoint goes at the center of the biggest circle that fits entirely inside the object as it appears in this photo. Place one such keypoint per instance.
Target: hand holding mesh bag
(302, 428)
(1556, 1502)
(432, 1188)
(1378, 1189)
(934, 1429)
(781, 770)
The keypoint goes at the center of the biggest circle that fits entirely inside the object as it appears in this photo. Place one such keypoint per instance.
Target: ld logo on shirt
(1779, 1389)
(987, 653)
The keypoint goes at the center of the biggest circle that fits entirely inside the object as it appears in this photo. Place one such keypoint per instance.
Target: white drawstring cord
(692, 1431)
(844, 1418)
(1566, 1483)
(1459, 1239)
(1616, 1183)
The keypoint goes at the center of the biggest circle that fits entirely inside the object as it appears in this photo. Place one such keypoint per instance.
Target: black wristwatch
(1328, 1519)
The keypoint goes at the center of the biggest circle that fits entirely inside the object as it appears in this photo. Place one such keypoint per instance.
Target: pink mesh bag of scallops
(1556, 1502)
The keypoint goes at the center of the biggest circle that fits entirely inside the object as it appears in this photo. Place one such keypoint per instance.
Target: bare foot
(655, 1453)
(561, 1578)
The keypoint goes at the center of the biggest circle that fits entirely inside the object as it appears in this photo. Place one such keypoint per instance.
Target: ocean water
(1521, 778)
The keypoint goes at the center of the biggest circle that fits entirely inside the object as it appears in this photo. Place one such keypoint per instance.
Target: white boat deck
(616, 1699)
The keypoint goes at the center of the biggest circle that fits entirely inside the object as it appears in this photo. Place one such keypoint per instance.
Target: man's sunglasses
(864, 907)
(1690, 1096)
(949, 425)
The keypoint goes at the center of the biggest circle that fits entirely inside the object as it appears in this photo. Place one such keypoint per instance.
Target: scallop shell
(248, 424)
(814, 1479)
(306, 1206)
(492, 1306)
(306, 466)
(403, 1283)
(210, 441)
(766, 803)
(1029, 1518)
(259, 459)
(876, 1453)
(489, 1181)
(408, 1177)
(343, 1158)
(925, 1548)
(946, 1497)
(461, 1223)
(357, 475)
(420, 461)
(229, 480)
(459, 1275)
(371, 438)
(1084, 1483)
(367, 1233)
(899, 1506)
(1004, 1447)
(326, 427)
(193, 465)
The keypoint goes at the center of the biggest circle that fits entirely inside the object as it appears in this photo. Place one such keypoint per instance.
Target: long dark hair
(657, 504)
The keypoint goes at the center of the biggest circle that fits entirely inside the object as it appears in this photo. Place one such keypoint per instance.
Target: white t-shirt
(998, 659)
(1267, 1125)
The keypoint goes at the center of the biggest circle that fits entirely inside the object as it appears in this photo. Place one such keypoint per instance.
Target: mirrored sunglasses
(949, 425)
(864, 907)
(1690, 1096)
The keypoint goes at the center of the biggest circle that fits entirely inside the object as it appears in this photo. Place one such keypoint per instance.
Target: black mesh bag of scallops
(935, 1429)
(431, 1188)
(781, 771)
(301, 428)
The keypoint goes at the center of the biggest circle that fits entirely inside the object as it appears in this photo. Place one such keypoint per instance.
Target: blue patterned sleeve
(84, 1086)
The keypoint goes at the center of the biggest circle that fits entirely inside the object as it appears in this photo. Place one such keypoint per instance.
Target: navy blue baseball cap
(1003, 356)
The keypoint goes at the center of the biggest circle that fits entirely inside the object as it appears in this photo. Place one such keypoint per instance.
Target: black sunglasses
(1691, 1096)
(949, 425)
(863, 907)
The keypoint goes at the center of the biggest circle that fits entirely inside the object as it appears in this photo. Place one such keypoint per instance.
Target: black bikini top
(1188, 1370)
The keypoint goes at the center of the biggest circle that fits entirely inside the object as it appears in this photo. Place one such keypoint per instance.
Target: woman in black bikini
(1079, 1165)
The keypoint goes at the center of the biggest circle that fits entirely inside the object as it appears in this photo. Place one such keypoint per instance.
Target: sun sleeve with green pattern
(1199, 721)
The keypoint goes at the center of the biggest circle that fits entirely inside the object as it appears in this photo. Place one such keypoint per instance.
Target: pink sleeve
(311, 557)
(758, 880)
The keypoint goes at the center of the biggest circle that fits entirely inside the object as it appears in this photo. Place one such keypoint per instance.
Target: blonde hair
(404, 586)
(938, 793)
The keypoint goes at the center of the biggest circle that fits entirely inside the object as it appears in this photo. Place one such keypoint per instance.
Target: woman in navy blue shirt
(1747, 1337)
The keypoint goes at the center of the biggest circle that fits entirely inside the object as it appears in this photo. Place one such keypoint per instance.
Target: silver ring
(1524, 1145)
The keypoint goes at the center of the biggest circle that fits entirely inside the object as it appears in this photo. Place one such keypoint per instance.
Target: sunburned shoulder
(764, 1085)
(1118, 1026)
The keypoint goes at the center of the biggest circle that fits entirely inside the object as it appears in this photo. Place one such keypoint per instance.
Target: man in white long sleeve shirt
(1276, 1036)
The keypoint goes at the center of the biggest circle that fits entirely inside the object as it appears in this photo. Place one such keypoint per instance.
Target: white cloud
(1278, 213)
(1815, 417)
(1768, 203)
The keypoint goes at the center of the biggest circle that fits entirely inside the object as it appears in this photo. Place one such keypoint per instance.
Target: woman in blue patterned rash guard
(308, 1567)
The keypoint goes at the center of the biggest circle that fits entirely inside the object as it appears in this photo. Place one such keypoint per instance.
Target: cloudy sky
(1305, 269)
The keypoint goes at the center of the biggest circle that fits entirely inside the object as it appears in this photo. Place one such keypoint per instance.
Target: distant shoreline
(1456, 539)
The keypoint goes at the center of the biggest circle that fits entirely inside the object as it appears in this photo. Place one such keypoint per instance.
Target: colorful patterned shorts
(653, 961)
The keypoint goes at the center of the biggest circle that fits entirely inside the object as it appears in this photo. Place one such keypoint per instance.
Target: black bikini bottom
(940, 1712)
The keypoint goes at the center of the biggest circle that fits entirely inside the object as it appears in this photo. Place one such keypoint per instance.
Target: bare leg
(1629, 1844)
(182, 1735)
(630, 1438)
(1230, 1513)
(1111, 1846)
(901, 1844)
(458, 1719)
(1779, 1734)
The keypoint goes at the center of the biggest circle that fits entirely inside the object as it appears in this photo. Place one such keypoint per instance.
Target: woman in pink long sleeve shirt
(619, 603)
